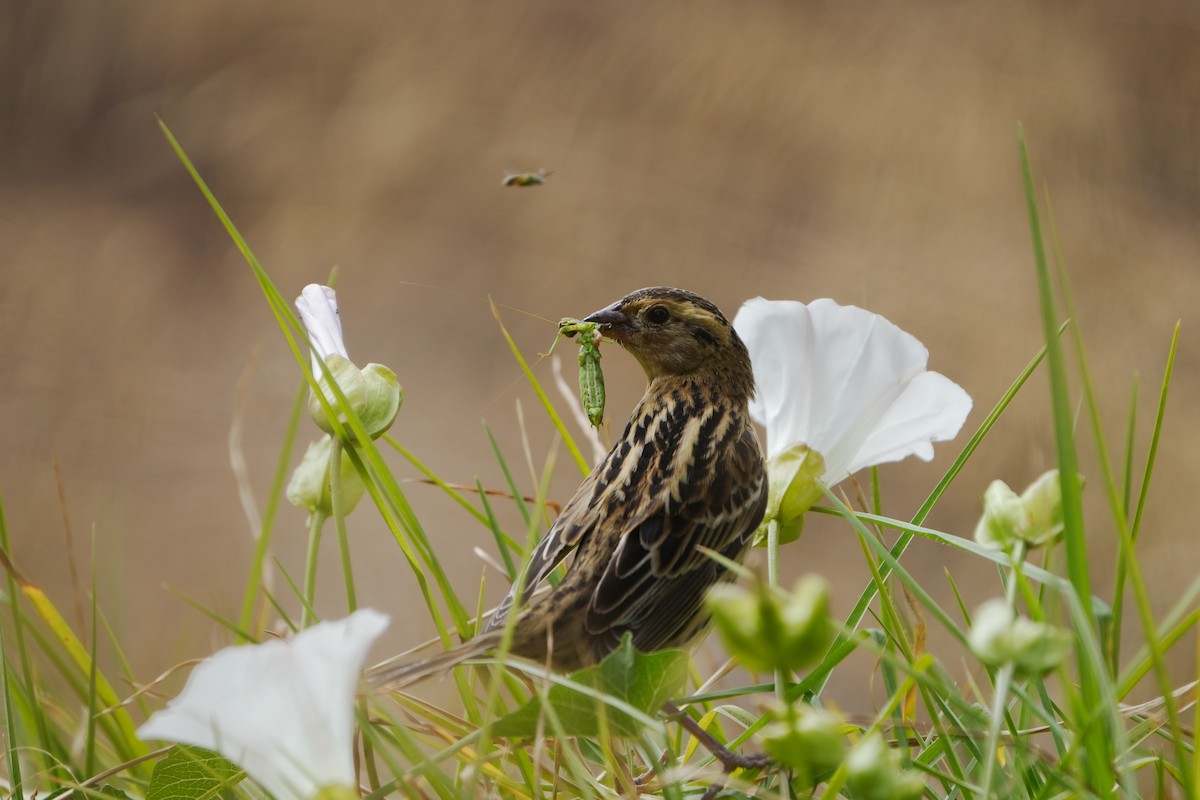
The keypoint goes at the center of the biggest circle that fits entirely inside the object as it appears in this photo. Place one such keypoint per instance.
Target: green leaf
(111, 791)
(191, 773)
(640, 680)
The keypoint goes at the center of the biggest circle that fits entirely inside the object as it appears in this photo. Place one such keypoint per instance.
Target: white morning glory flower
(283, 710)
(844, 384)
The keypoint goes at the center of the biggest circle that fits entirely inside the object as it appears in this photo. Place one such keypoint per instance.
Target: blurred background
(786, 149)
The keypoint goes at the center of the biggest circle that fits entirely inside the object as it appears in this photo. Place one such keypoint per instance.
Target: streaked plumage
(687, 472)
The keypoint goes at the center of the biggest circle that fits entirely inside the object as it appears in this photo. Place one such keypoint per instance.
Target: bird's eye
(658, 315)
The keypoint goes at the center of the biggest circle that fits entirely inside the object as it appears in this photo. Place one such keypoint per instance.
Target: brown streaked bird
(688, 472)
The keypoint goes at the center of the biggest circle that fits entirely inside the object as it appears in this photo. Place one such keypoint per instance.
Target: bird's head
(673, 332)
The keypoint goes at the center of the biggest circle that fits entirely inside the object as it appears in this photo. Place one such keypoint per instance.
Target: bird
(686, 476)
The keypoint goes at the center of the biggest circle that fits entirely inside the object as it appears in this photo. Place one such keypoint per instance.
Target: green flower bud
(767, 629)
(793, 485)
(309, 487)
(1004, 517)
(373, 393)
(811, 741)
(1043, 503)
(1034, 518)
(873, 772)
(998, 637)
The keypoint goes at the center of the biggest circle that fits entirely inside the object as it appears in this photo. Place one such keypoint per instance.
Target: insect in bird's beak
(614, 322)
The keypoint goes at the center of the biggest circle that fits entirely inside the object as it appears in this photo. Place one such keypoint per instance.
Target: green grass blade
(48, 744)
(518, 496)
(1097, 752)
(263, 543)
(559, 425)
(1127, 558)
(90, 738)
(13, 737)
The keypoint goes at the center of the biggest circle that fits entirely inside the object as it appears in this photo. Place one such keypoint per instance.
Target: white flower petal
(319, 313)
(932, 408)
(283, 711)
(845, 382)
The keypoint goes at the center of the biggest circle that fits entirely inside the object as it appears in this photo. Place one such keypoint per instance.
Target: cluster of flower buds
(811, 741)
(999, 636)
(373, 393)
(766, 628)
(1033, 518)
(874, 772)
(838, 389)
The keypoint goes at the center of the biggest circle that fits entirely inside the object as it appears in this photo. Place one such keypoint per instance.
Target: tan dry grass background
(794, 150)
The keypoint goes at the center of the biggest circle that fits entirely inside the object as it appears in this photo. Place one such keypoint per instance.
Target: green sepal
(309, 487)
(373, 393)
(793, 486)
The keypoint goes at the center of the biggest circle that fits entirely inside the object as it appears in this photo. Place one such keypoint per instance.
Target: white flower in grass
(839, 389)
(373, 391)
(282, 711)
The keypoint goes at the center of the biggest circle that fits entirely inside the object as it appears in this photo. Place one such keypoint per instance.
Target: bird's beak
(616, 324)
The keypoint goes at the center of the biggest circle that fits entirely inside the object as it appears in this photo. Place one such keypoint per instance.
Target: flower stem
(773, 581)
(1003, 679)
(339, 522)
(1004, 676)
(316, 521)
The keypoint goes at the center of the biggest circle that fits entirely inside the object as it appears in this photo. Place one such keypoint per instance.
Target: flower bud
(809, 740)
(767, 629)
(793, 485)
(873, 772)
(309, 487)
(373, 393)
(998, 637)
(1004, 517)
(1034, 518)
(1043, 503)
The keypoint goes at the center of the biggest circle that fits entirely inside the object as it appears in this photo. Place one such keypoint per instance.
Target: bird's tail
(390, 676)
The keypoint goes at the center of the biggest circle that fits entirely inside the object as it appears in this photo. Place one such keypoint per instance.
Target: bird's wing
(568, 530)
(714, 498)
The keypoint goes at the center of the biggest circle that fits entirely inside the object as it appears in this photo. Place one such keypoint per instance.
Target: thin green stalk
(1135, 528)
(316, 521)
(263, 543)
(50, 753)
(559, 425)
(781, 675)
(89, 759)
(12, 738)
(1097, 750)
(1127, 556)
(999, 702)
(337, 500)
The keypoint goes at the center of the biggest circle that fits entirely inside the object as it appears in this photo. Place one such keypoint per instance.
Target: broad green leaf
(191, 773)
(643, 681)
